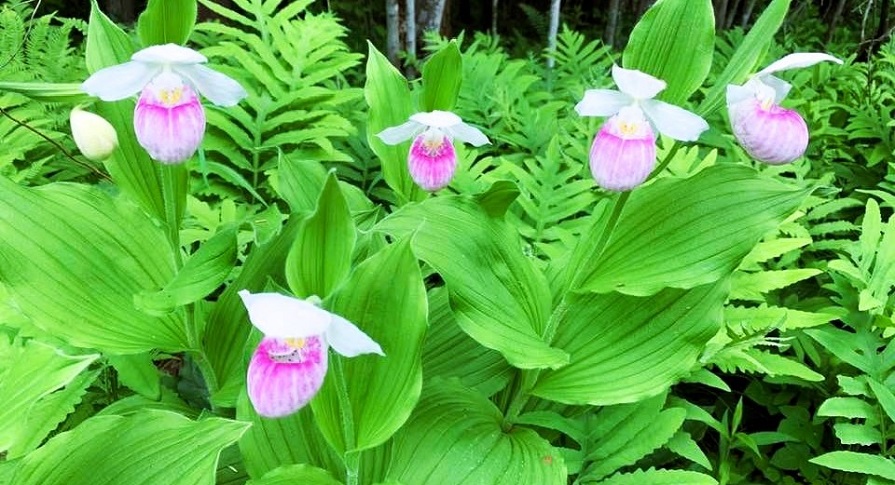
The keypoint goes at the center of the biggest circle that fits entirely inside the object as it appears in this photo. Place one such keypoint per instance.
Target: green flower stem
(351, 458)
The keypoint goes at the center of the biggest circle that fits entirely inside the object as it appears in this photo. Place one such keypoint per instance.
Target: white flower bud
(95, 137)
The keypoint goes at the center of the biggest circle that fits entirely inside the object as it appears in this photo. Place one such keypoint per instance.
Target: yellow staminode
(171, 97)
(295, 343)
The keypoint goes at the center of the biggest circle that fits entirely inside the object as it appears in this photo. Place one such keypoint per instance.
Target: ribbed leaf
(382, 390)
(456, 436)
(320, 257)
(442, 75)
(138, 372)
(682, 233)
(625, 348)
(289, 475)
(674, 41)
(149, 447)
(166, 21)
(71, 253)
(850, 461)
(498, 296)
(30, 371)
(388, 97)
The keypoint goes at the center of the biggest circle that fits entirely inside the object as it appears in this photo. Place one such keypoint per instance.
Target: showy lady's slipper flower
(432, 160)
(768, 132)
(95, 137)
(169, 119)
(624, 151)
(288, 367)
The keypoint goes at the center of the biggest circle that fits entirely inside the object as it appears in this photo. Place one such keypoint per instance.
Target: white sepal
(738, 94)
(120, 81)
(467, 133)
(636, 84)
(281, 316)
(437, 119)
(673, 121)
(345, 338)
(401, 133)
(780, 87)
(168, 54)
(602, 102)
(797, 60)
(219, 88)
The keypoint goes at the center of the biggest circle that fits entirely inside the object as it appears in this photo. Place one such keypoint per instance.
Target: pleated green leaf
(744, 61)
(138, 372)
(624, 348)
(130, 166)
(851, 461)
(674, 41)
(30, 371)
(148, 447)
(73, 258)
(271, 444)
(498, 296)
(388, 97)
(681, 233)
(228, 327)
(382, 390)
(203, 272)
(292, 474)
(320, 257)
(166, 21)
(456, 436)
(442, 75)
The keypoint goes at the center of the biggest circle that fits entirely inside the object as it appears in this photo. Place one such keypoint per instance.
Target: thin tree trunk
(834, 19)
(552, 33)
(732, 9)
(642, 6)
(122, 10)
(747, 13)
(392, 26)
(720, 14)
(430, 15)
(410, 26)
(611, 22)
(494, 17)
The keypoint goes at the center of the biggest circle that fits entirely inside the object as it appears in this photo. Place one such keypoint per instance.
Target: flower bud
(95, 137)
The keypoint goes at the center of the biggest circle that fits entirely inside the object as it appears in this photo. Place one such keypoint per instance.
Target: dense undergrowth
(784, 372)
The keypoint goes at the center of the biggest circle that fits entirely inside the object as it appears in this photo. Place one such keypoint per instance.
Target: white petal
(798, 60)
(401, 133)
(121, 81)
(218, 88)
(737, 94)
(345, 338)
(437, 119)
(636, 84)
(673, 121)
(468, 134)
(168, 54)
(781, 88)
(602, 102)
(282, 316)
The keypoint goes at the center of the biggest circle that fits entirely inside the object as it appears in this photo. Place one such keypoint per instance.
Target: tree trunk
(124, 11)
(732, 9)
(552, 33)
(494, 17)
(392, 25)
(642, 6)
(720, 14)
(747, 13)
(834, 20)
(430, 15)
(410, 27)
(611, 22)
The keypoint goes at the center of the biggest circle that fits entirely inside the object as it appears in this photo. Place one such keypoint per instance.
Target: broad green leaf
(660, 477)
(674, 41)
(448, 352)
(203, 272)
(73, 254)
(168, 401)
(850, 461)
(457, 436)
(625, 348)
(29, 372)
(289, 475)
(744, 61)
(227, 328)
(498, 296)
(273, 443)
(681, 233)
(145, 448)
(382, 390)
(138, 372)
(166, 22)
(320, 257)
(388, 97)
(442, 75)
(130, 166)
